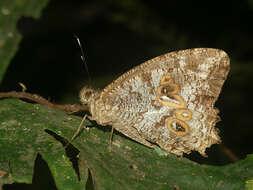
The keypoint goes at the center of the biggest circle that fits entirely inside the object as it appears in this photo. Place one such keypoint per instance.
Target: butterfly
(166, 101)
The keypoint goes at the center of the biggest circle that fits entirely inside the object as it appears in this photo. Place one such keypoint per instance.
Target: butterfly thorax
(97, 107)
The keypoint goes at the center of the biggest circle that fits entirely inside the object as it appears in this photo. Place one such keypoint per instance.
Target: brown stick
(229, 153)
(68, 108)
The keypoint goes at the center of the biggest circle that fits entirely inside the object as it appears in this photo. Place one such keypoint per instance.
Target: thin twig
(229, 153)
(68, 108)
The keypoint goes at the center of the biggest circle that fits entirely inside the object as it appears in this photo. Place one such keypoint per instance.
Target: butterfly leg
(110, 143)
(77, 131)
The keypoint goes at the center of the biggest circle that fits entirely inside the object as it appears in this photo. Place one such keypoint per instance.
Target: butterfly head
(87, 95)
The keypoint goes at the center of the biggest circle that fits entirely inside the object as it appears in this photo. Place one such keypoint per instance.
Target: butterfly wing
(169, 100)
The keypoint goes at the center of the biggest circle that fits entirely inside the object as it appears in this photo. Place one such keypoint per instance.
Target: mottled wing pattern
(169, 100)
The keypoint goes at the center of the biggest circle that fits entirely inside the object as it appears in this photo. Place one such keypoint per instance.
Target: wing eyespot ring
(178, 98)
(178, 127)
(184, 114)
(166, 79)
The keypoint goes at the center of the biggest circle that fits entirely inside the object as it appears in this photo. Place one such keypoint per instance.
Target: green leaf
(10, 13)
(23, 136)
(249, 184)
(128, 166)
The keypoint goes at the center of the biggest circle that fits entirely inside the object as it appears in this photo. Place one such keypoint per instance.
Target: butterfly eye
(88, 94)
(178, 127)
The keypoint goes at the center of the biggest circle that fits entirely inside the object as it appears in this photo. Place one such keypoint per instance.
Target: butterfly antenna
(83, 57)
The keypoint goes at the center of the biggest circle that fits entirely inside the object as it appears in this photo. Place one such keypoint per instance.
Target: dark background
(117, 35)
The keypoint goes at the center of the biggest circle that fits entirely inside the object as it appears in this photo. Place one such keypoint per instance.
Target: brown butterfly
(166, 101)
